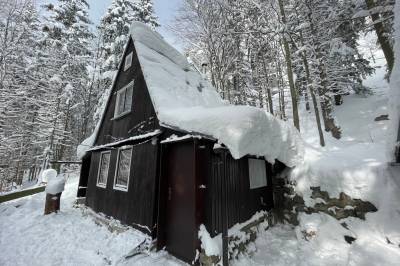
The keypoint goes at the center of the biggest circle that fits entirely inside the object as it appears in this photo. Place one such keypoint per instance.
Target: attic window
(257, 173)
(121, 179)
(128, 61)
(124, 100)
(103, 169)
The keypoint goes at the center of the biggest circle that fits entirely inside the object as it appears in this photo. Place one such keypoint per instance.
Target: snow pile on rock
(47, 175)
(55, 183)
(184, 100)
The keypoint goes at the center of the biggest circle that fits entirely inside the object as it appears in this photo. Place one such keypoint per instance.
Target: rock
(382, 117)
(350, 239)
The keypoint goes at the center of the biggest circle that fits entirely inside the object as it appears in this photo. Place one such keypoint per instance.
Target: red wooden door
(181, 231)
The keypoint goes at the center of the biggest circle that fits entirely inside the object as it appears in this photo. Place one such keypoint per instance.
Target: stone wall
(289, 204)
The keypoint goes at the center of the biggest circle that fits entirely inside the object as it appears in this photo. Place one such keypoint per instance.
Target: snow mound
(55, 184)
(184, 100)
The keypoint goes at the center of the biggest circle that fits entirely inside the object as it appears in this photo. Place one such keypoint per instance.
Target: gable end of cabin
(129, 111)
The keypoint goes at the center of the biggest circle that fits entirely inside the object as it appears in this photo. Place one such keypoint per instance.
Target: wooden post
(223, 153)
(52, 203)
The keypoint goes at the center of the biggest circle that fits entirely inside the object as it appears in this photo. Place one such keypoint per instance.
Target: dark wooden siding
(142, 117)
(137, 205)
(243, 202)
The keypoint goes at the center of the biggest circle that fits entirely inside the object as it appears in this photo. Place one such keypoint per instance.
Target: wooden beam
(21, 193)
(65, 162)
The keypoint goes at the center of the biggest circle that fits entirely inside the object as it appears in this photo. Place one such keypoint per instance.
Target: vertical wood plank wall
(137, 205)
(243, 202)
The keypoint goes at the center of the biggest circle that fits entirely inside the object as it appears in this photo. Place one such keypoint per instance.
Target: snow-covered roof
(171, 81)
(184, 100)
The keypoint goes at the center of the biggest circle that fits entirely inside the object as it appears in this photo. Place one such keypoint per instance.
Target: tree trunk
(313, 97)
(288, 60)
(383, 36)
(326, 106)
(270, 104)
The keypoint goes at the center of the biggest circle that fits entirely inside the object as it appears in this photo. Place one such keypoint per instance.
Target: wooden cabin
(162, 158)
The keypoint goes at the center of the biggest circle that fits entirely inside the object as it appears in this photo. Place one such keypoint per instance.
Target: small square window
(128, 61)
(124, 100)
(121, 179)
(103, 169)
(257, 173)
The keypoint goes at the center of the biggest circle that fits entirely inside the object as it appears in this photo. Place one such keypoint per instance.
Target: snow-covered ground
(356, 165)
(27, 237)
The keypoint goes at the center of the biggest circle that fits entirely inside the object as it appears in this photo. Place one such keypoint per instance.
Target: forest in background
(56, 67)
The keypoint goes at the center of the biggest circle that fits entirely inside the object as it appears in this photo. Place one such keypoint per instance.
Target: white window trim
(98, 172)
(128, 63)
(119, 187)
(257, 185)
(119, 92)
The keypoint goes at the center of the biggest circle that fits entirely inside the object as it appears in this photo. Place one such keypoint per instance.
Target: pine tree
(68, 42)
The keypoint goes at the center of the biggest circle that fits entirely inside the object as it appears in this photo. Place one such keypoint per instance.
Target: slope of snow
(172, 83)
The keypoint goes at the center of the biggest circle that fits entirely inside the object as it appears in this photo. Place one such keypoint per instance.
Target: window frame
(256, 185)
(123, 91)
(108, 168)
(119, 187)
(128, 61)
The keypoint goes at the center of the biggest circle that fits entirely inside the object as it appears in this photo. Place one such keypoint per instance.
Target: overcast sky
(165, 10)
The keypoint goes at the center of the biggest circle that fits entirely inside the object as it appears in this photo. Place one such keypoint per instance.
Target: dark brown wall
(243, 202)
(135, 206)
(142, 117)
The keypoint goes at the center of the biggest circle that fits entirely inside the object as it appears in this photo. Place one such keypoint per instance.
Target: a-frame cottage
(168, 150)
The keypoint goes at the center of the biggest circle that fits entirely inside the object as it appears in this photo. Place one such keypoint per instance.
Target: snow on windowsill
(137, 137)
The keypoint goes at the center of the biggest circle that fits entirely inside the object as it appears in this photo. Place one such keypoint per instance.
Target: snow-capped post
(222, 151)
(54, 189)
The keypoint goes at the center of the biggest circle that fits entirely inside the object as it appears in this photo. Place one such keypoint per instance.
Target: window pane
(103, 171)
(128, 61)
(121, 100)
(257, 173)
(123, 168)
(128, 98)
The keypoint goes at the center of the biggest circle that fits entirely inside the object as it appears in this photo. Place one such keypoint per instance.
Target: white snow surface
(184, 100)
